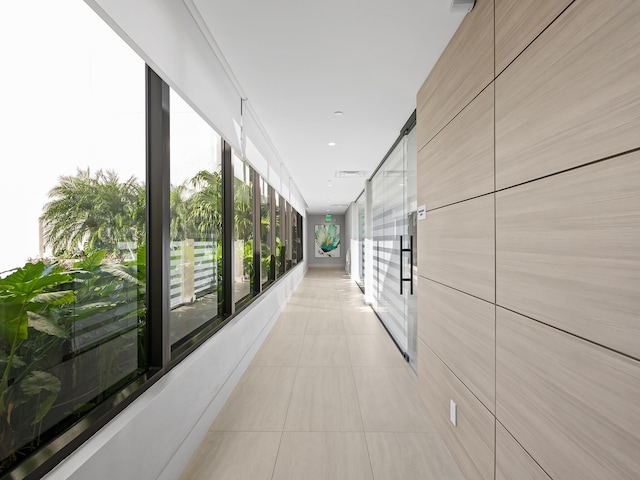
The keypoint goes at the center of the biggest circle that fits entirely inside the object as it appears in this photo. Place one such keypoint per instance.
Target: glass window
(72, 252)
(196, 222)
(296, 237)
(299, 237)
(267, 264)
(243, 268)
(280, 247)
(287, 232)
(361, 229)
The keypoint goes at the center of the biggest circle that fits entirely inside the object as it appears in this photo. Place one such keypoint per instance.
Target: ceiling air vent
(337, 205)
(351, 173)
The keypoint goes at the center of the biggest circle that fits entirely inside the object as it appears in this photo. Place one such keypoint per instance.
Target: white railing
(193, 271)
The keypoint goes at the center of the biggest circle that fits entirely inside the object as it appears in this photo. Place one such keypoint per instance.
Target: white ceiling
(298, 62)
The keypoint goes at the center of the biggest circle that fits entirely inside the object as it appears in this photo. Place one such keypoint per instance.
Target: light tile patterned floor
(327, 397)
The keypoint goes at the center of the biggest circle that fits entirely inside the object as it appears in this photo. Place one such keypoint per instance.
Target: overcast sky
(72, 96)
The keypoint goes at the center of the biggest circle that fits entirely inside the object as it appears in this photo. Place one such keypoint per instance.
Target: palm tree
(206, 211)
(181, 205)
(89, 213)
(243, 207)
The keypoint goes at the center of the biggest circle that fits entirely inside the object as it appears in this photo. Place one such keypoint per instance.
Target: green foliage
(39, 308)
(24, 292)
(99, 221)
(243, 210)
(26, 299)
(88, 213)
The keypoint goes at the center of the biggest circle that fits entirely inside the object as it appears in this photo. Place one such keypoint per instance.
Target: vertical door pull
(410, 252)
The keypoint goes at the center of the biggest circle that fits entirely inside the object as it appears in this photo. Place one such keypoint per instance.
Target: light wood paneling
(573, 96)
(472, 441)
(456, 247)
(458, 163)
(571, 404)
(460, 329)
(568, 251)
(512, 462)
(463, 70)
(518, 22)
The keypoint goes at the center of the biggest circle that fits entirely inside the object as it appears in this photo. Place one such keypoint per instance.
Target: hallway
(328, 396)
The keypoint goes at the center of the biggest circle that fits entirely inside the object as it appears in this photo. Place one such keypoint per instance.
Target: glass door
(361, 233)
(394, 240)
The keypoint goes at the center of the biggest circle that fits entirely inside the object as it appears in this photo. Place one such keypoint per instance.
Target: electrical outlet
(453, 413)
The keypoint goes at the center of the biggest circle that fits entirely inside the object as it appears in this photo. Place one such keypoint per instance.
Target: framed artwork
(327, 241)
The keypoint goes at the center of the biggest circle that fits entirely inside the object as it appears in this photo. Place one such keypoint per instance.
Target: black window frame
(160, 357)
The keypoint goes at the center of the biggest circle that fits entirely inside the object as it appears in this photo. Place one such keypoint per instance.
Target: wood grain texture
(518, 22)
(571, 404)
(458, 163)
(463, 70)
(568, 251)
(460, 329)
(512, 462)
(456, 247)
(573, 96)
(472, 441)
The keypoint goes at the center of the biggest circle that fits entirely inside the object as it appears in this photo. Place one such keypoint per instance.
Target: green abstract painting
(327, 241)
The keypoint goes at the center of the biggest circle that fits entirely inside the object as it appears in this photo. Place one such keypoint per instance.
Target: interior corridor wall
(529, 256)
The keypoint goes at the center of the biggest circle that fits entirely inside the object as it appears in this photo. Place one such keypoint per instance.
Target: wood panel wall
(529, 256)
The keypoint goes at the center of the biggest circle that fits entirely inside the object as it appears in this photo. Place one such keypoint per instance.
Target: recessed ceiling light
(338, 113)
(332, 144)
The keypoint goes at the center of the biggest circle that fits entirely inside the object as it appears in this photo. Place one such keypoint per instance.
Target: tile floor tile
(259, 402)
(324, 399)
(290, 324)
(223, 455)
(389, 400)
(328, 323)
(325, 351)
(323, 456)
(362, 323)
(373, 351)
(279, 351)
(411, 456)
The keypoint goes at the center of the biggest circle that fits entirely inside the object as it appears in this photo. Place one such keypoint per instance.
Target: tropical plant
(27, 333)
(43, 311)
(94, 212)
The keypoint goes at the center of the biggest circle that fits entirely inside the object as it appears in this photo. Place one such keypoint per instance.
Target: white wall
(156, 435)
